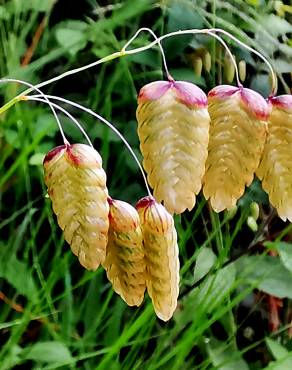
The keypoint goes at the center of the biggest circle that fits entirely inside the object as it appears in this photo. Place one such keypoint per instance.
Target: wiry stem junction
(100, 118)
(36, 88)
(211, 32)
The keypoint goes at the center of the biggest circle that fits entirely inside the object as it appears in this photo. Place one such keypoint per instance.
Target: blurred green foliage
(53, 314)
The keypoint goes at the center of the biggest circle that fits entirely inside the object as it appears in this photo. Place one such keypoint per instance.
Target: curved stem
(118, 54)
(169, 77)
(36, 98)
(110, 125)
(32, 87)
(231, 56)
(158, 40)
(72, 71)
(242, 44)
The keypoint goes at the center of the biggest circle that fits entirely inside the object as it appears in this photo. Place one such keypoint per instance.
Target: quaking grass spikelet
(125, 258)
(162, 262)
(173, 128)
(237, 137)
(275, 169)
(76, 185)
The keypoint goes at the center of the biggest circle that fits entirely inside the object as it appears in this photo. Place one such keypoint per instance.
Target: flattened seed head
(173, 129)
(76, 185)
(125, 263)
(275, 168)
(161, 251)
(238, 132)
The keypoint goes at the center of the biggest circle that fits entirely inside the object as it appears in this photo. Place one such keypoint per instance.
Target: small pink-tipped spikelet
(161, 250)
(275, 169)
(237, 137)
(173, 128)
(76, 185)
(125, 258)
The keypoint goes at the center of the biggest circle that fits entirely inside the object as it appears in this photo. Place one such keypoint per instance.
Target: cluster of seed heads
(190, 142)
(137, 247)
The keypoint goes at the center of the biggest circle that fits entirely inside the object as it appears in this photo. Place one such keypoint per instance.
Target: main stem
(123, 52)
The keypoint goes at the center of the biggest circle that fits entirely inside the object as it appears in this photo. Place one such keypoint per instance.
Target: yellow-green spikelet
(237, 137)
(125, 258)
(76, 185)
(161, 251)
(275, 169)
(173, 128)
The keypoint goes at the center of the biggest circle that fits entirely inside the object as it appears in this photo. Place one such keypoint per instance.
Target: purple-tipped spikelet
(161, 251)
(125, 258)
(237, 137)
(275, 169)
(76, 185)
(173, 128)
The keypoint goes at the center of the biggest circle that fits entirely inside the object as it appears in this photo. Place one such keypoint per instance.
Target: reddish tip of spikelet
(282, 102)
(123, 217)
(185, 92)
(155, 214)
(251, 101)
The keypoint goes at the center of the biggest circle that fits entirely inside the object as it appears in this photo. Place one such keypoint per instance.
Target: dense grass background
(236, 272)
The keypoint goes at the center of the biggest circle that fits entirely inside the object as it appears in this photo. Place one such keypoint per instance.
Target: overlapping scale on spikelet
(76, 185)
(173, 126)
(161, 250)
(275, 169)
(125, 258)
(237, 136)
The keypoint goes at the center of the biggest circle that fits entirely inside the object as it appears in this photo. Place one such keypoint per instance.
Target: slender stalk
(35, 98)
(20, 97)
(72, 71)
(158, 40)
(121, 53)
(169, 77)
(110, 125)
(242, 44)
(211, 32)
(231, 56)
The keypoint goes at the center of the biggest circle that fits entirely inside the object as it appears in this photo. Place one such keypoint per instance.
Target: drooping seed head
(173, 126)
(237, 136)
(161, 250)
(125, 263)
(275, 168)
(76, 185)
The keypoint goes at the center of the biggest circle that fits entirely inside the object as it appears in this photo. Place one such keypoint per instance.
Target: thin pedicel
(36, 88)
(211, 32)
(100, 118)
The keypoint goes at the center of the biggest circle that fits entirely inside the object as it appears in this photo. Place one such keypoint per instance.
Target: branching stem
(212, 32)
(242, 44)
(38, 98)
(102, 119)
(21, 97)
